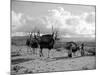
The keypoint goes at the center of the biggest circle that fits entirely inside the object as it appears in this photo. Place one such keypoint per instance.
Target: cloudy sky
(68, 20)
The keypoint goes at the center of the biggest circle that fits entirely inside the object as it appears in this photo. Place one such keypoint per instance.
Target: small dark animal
(72, 47)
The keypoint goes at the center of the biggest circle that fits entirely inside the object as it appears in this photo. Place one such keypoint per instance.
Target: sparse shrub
(16, 53)
(17, 68)
(13, 43)
(28, 71)
(84, 68)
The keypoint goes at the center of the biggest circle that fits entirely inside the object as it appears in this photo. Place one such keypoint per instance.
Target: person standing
(82, 49)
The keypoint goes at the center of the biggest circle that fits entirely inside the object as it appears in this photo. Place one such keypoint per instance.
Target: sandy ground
(58, 61)
(52, 65)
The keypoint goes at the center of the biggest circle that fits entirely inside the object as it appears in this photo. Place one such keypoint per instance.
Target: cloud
(25, 23)
(64, 21)
(17, 20)
(89, 17)
(77, 25)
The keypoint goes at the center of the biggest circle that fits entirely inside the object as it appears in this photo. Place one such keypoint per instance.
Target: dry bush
(27, 71)
(84, 68)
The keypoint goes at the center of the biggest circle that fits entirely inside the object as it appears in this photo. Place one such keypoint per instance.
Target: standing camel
(46, 41)
(72, 47)
(32, 42)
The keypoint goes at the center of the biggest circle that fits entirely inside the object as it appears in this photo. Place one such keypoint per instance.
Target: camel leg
(41, 54)
(33, 51)
(82, 52)
(48, 53)
(70, 53)
(28, 50)
(74, 53)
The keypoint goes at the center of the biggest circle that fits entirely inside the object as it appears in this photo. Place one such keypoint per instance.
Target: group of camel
(48, 41)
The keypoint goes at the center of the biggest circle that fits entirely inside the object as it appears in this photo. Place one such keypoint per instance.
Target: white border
(5, 36)
(86, 2)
